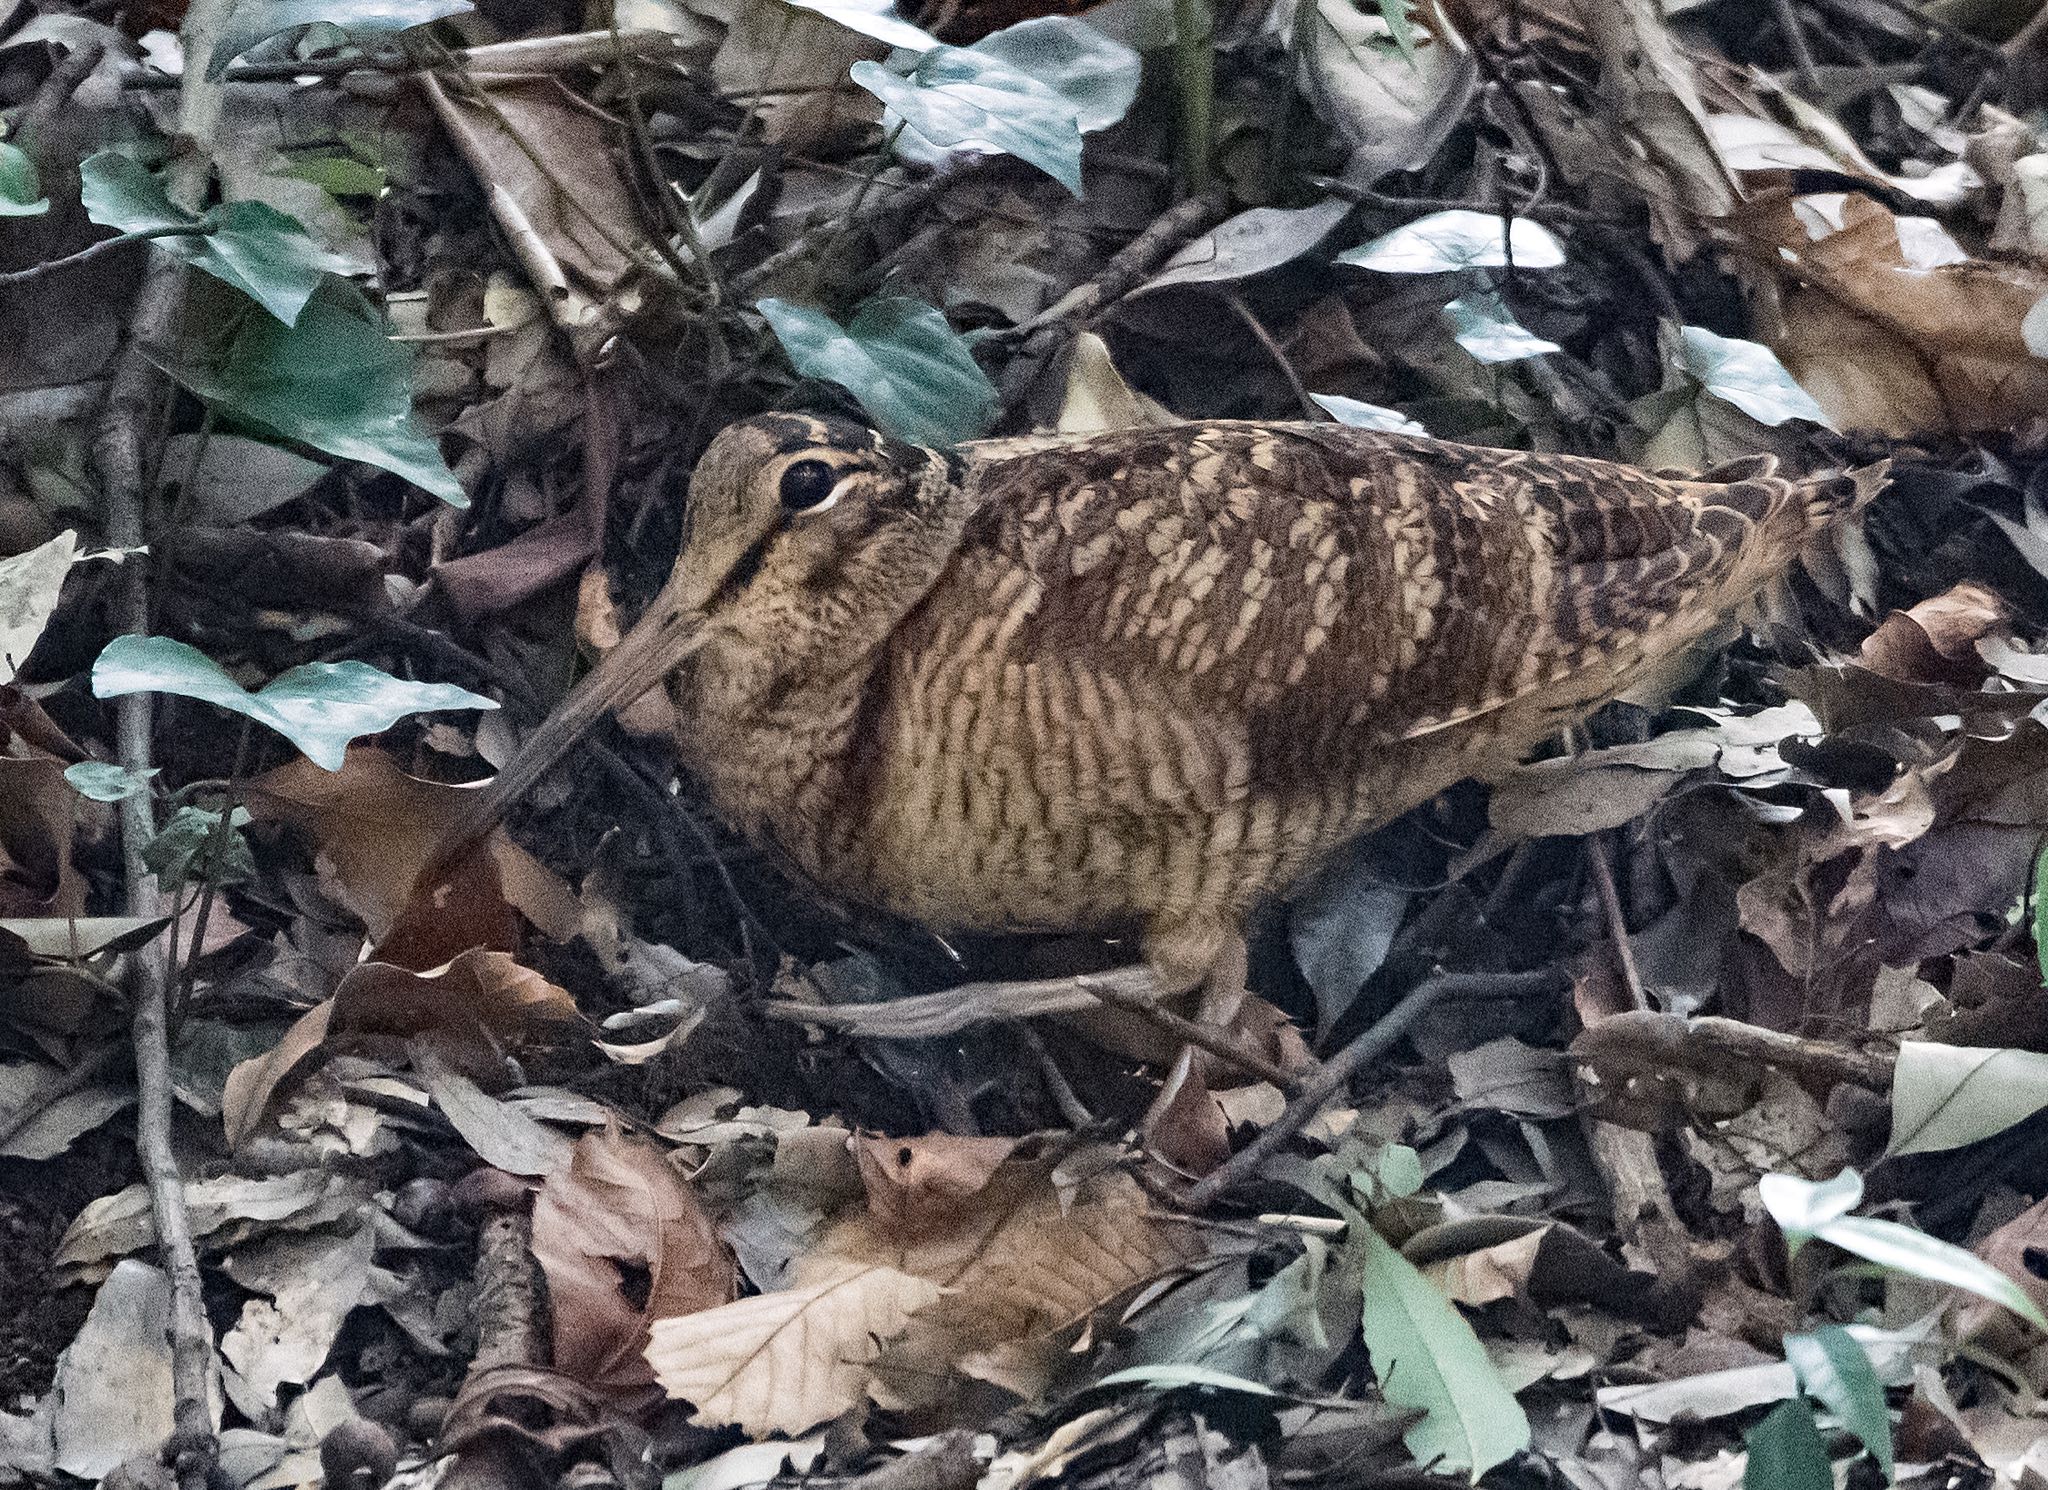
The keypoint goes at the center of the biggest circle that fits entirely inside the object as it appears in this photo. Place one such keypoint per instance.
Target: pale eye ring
(808, 485)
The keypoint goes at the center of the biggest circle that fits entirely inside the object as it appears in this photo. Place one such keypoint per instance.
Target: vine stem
(1194, 76)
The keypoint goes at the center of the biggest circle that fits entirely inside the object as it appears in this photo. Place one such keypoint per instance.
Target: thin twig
(1064, 1097)
(1335, 1074)
(1189, 1032)
(1309, 408)
(98, 250)
(1617, 928)
(1802, 51)
(135, 393)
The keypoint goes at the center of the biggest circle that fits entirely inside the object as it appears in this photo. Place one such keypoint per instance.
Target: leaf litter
(1686, 1084)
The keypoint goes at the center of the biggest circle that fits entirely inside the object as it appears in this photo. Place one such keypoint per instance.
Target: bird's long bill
(663, 639)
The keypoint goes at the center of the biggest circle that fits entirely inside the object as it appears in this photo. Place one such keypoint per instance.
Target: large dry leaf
(38, 810)
(1889, 340)
(471, 1008)
(376, 827)
(1039, 1247)
(783, 1362)
(623, 1240)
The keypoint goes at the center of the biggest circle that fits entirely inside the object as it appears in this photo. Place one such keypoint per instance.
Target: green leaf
(320, 707)
(1458, 238)
(1833, 1369)
(876, 18)
(909, 369)
(254, 21)
(103, 781)
(1746, 374)
(1361, 415)
(1094, 73)
(262, 252)
(1801, 1207)
(954, 97)
(184, 849)
(1904, 1250)
(332, 379)
(1944, 1096)
(1786, 1452)
(1485, 327)
(21, 185)
(1804, 1210)
(1427, 1358)
(2041, 879)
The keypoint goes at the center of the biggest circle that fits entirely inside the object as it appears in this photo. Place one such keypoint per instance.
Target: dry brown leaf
(783, 1362)
(1884, 342)
(1936, 641)
(473, 1007)
(1036, 1250)
(623, 1241)
(38, 812)
(1185, 1126)
(919, 1184)
(375, 827)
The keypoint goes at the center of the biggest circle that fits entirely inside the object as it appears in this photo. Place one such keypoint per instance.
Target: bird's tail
(1809, 531)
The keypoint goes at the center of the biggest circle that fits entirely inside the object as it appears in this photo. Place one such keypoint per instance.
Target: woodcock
(1141, 681)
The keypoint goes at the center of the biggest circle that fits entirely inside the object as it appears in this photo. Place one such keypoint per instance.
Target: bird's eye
(807, 484)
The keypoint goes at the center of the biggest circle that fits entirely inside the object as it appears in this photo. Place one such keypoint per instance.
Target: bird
(1144, 682)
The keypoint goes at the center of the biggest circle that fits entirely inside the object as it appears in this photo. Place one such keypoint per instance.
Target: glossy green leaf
(1485, 327)
(320, 707)
(1427, 1358)
(876, 18)
(1094, 73)
(1786, 1452)
(1458, 238)
(1746, 374)
(1801, 1207)
(1361, 415)
(2041, 879)
(104, 781)
(21, 185)
(1944, 1096)
(1805, 1210)
(909, 369)
(1834, 1370)
(332, 379)
(260, 251)
(960, 99)
(195, 845)
(254, 21)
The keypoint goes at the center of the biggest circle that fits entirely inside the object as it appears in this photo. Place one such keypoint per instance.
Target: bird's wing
(1268, 594)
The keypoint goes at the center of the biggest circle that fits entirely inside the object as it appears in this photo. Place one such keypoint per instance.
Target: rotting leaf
(30, 585)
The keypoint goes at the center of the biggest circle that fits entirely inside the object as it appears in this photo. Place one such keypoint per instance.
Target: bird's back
(1167, 670)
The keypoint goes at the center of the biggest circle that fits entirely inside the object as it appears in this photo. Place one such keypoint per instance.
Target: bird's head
(799, 531)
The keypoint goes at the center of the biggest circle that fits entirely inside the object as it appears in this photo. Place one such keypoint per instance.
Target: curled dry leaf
(1885, 341)
(375, 827)
(1936, 640)
(471, 1008)
(623, 1241)
(783, 1362)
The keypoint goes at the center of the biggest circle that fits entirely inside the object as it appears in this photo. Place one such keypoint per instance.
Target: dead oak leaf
(783, 1362)
(623, 1240)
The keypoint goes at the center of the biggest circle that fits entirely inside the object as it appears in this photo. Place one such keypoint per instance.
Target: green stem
(1194, 77)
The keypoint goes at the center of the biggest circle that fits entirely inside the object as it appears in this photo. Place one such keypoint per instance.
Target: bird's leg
(1204, 955)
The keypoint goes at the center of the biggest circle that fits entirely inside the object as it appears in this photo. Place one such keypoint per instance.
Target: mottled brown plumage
(1143, 680)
